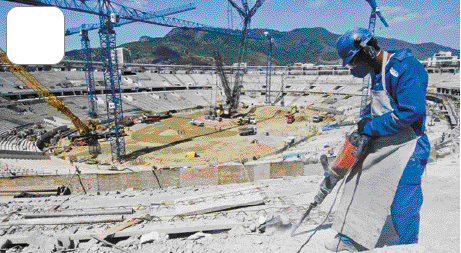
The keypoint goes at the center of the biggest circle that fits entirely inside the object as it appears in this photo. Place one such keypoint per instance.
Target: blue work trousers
(407, 202)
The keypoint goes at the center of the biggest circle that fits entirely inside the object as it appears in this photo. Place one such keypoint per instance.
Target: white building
(442, 59)
(123, 55)
(243, 65)
(303, 65)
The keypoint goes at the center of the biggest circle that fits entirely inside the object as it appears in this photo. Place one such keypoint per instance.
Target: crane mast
(222, 75)
(112, 80)
(89, 76)
(269, 67)
(366, 80)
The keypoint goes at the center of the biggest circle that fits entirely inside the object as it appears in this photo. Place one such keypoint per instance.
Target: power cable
(347, 210)
(331, 208)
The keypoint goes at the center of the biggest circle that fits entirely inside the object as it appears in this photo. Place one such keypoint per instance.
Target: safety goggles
(359, 59)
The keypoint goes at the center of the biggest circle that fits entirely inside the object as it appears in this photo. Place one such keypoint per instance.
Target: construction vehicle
(247, 131)
(195, 122)
(84, 130)
(249, 120)
(244, 105)
(317, 119)
(289, 141)
(241, 122)
(153, 118)
(128, 122)
(148, 119)
(191, 154)
(290, 115)
(290, 119)
(293, 110)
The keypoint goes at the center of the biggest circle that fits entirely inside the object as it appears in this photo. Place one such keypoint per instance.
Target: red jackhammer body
(353, 148)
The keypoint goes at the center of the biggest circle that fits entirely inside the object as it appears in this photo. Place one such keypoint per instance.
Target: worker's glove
(361, 125)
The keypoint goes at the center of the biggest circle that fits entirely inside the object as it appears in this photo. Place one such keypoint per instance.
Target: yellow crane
(31, 82)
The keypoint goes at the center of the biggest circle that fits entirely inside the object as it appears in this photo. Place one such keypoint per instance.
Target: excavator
(290, 115)
(86, 135)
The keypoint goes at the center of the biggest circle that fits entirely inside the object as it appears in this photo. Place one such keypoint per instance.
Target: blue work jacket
(406, 84)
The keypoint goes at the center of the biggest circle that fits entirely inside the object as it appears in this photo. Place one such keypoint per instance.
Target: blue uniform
(406, 83)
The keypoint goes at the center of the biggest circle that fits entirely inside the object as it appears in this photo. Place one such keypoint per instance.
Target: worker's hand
(361, 125)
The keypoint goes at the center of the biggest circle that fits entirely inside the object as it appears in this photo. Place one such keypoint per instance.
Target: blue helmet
(345, 44)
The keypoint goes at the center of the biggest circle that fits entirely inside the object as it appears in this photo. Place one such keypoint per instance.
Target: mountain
(313, 45)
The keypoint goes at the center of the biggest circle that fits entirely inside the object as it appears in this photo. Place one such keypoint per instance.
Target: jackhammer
(353, 148)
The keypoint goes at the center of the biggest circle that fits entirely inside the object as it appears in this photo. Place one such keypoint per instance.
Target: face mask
(361, 71)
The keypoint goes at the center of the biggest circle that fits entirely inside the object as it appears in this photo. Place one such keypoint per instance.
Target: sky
(415, 21)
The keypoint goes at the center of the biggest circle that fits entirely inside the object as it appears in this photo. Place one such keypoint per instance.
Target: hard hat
(347, 45)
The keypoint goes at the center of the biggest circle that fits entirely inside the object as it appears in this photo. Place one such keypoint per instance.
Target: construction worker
(382, 196)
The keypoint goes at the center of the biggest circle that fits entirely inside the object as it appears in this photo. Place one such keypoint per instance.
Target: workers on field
(382, 196)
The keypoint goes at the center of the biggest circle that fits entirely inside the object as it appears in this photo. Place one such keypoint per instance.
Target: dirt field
(166, 143)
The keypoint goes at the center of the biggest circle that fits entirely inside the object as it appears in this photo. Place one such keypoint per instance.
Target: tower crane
(86, 50)
(84, 130)
(224, 81)
(371, 26)
(269, 67)
(246, 14)
(110, 14)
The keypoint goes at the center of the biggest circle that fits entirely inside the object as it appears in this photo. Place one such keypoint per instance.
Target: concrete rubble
(248, 217)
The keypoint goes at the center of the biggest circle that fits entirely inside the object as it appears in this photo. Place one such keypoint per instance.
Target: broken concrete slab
(199, 235)
(60, 221)
(39, 242)
(153, 237)
(77, 213)
(247, 189)
(237, 231)
(167, 229)
(220, 204)
(133, 240)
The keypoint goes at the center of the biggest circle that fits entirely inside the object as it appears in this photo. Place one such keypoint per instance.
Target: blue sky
(410, 20)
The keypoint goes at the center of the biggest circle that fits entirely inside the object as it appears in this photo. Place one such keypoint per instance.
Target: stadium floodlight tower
(366, 80)
(269, 66)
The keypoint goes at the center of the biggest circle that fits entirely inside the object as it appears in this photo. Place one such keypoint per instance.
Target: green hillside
(313, 45)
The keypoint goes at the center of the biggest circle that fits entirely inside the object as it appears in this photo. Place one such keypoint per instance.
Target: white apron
(374, 179)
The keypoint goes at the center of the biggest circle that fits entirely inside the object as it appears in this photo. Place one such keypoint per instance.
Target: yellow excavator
(85, 131)
(293, 110)
(290, 115)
